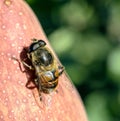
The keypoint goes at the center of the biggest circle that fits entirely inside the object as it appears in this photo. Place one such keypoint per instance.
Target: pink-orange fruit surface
(18, 25)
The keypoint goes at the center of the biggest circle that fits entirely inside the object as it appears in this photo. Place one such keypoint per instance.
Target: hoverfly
(46, 68)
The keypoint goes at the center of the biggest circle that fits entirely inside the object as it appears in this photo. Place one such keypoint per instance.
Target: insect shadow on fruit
(28, 68)
(29, 72)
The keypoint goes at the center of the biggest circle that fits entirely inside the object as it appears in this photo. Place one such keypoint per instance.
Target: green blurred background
(86, 35)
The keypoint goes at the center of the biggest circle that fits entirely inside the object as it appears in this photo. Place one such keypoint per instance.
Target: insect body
(46, 67)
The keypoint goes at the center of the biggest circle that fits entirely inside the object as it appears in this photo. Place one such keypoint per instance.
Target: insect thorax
(41, 57)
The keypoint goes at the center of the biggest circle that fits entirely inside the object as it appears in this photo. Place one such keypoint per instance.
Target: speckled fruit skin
(18, 25)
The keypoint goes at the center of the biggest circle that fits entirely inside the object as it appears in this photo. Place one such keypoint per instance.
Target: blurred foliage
(86, 35)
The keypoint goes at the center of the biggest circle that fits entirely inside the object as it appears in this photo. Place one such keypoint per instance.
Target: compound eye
(33, 47)
(41, 43)
(36, 44)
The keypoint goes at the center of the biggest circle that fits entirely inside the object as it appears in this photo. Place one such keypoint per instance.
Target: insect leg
(37, 82)
(61, 68)
(25, 64)
(39, 89)
(18, 63)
